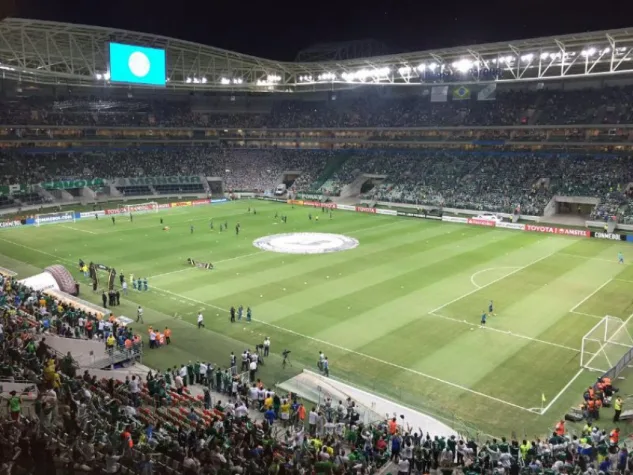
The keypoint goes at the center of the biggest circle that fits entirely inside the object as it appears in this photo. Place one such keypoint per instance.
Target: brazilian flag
(461, 93)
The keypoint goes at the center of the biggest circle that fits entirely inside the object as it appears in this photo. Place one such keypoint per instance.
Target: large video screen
(137, 64)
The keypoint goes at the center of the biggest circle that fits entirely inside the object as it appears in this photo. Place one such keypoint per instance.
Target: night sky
(280, 29)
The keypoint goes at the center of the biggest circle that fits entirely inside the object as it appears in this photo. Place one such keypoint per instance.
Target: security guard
(617, 405)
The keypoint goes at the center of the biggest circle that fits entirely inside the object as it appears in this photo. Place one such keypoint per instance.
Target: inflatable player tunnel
(55, 277)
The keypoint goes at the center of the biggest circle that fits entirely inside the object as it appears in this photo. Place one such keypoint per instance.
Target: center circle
(305, 243)
(139, 64)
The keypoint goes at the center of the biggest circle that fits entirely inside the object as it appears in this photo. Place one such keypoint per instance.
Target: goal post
(54, 218)
(139, 208)
(608, 342)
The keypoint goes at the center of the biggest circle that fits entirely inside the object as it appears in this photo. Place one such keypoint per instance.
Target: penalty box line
(507, 332)
(363, 355)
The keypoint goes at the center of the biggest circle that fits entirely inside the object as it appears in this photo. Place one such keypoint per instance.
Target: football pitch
(398, 315)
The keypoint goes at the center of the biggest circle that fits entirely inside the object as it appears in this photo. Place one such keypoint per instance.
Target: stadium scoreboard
(137, 65)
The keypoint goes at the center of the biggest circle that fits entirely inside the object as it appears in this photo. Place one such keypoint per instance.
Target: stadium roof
(77, 55)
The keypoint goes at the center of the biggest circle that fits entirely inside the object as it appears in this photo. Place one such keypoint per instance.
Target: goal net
(139, 208)
(605, 344)
(53, 218)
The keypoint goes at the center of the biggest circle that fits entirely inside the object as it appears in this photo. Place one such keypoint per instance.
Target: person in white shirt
(139, 314)
(313, 416)
(183, 374)
(152, 340)
(403, 466)
(134, 389)
(252, 393)
(253, 369)
(124, 286)
(266, 346)
(178, 383)
(80, 323)
(241, 411)
(203, 374)
(200, 320)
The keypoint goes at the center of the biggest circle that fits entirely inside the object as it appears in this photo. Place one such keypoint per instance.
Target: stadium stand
(535, 107)
(492, 181)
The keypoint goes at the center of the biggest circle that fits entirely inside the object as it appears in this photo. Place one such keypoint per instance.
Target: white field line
(260, 252)
(472, 277)
(467, 294)
(591, 295)
(35, 250)
(587, 314)
(506, 332)
(77, 229)
(624, 280)
(587, 258)
(363, 355)
(580, 371)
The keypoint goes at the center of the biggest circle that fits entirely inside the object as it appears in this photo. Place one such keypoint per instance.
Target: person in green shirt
(218, 380)
(15, 406)
(196, 372)
(168, 377)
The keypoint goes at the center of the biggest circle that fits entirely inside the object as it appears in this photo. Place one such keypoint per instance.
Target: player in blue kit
(491, 309)
(483, 320)
(620, 258)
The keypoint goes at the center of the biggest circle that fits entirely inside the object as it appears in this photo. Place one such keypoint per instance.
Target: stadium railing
(620, 366)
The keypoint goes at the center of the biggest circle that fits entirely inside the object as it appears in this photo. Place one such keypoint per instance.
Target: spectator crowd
(607, 105)
(494, 181)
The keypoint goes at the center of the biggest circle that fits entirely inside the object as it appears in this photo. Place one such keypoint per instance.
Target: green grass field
(398, 315)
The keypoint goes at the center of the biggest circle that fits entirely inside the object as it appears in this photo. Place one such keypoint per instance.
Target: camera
(285, 353)
(259, 347)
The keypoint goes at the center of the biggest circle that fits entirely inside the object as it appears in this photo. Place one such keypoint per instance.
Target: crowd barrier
(67, 216)
(532, 228)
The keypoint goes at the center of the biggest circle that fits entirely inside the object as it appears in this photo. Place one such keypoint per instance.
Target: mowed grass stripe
(439, 283)
(318, 279)
(383, 297)
(268, 266)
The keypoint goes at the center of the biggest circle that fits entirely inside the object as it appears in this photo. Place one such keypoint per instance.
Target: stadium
(440, 237)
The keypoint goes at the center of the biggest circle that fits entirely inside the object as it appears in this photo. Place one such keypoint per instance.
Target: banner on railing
(157, 180)
(10, 224)
(537, 228)
(454, 219)
(71, 184)
(482, 222)
(609, 236)
(179, 204)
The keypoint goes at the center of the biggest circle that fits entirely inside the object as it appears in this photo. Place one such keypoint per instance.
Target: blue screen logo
(137, 64)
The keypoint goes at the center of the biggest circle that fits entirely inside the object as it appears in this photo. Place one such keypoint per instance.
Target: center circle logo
(305, 243)
(139, 64)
